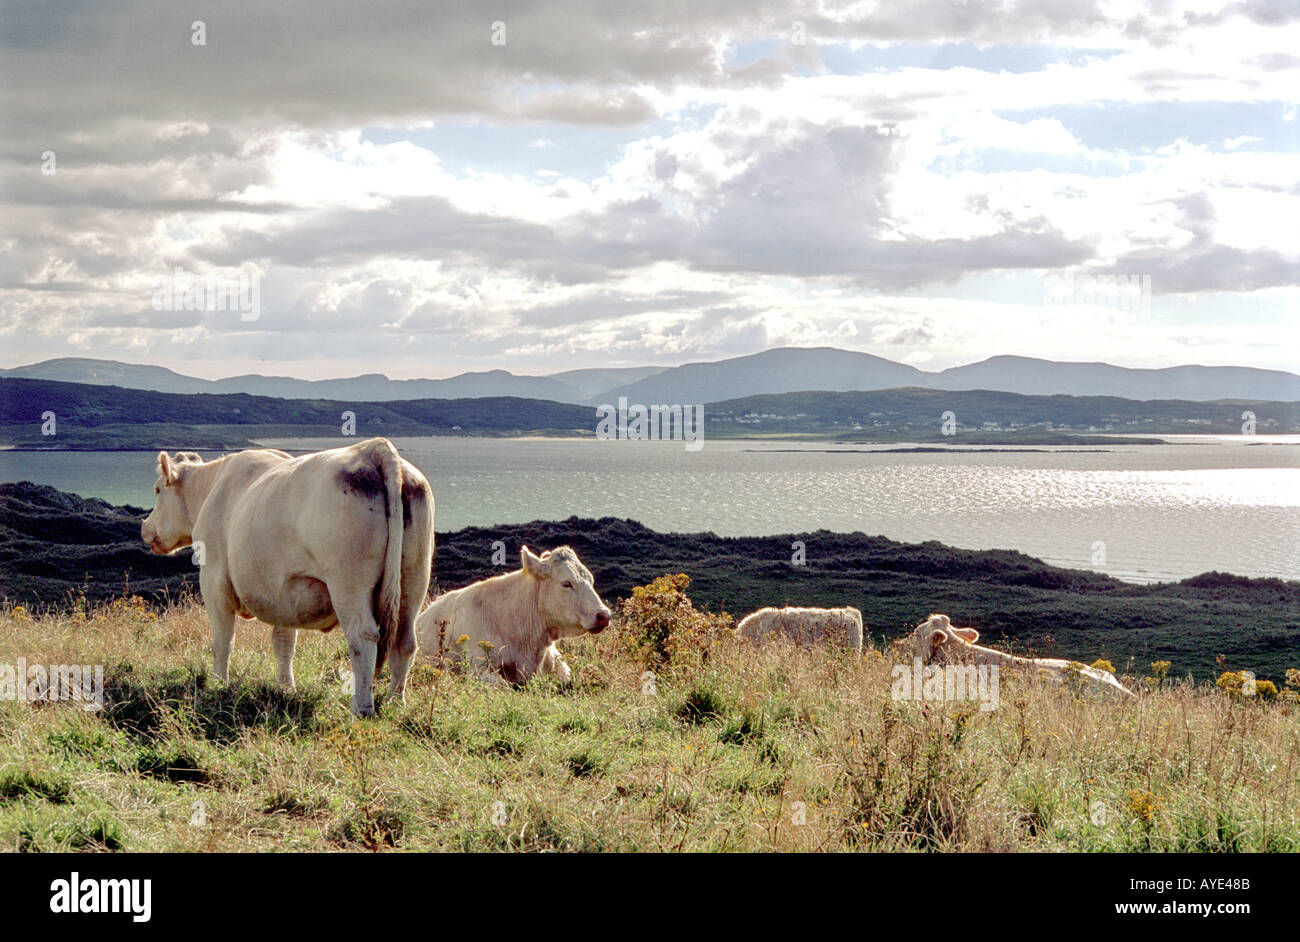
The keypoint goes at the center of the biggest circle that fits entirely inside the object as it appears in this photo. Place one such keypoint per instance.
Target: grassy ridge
(736, 749)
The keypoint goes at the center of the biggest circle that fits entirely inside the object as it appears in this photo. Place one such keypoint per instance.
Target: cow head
(938, 633)
(566, 598)
(169, 526)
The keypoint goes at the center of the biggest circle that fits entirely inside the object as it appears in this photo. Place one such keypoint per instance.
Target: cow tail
(390, 585)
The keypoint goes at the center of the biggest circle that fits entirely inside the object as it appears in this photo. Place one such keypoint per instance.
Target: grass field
(731, 748)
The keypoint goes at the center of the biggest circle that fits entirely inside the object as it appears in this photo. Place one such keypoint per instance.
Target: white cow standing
(805, 625)
(937, 640)
(339, 537)
(520, 615)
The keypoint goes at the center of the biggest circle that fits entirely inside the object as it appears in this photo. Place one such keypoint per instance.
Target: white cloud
(792, 198)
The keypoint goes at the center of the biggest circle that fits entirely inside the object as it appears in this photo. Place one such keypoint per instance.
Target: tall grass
(729, 748)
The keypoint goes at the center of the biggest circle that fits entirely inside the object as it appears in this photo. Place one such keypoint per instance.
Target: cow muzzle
(602, 622)
(155, 544)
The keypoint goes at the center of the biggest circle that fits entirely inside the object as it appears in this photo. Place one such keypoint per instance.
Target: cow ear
(937, 637)
(166, 468)
(967, 634)
(531, 562)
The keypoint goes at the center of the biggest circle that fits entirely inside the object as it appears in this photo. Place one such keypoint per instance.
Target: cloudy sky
(421, 189)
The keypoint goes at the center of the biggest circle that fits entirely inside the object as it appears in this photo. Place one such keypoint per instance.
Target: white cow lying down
(520, 614)
(938, 641)
(805, 625)
(340, 537)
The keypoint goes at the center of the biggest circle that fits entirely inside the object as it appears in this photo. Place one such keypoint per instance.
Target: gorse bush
(1159, 674)
(660, 626)
(1232, 683)
(1242, 685)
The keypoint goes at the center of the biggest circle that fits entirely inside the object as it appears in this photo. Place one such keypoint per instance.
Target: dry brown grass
(739, 749)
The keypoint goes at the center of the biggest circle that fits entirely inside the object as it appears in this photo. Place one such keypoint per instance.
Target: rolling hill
(112, 418)
(789, 369)
(794, 369)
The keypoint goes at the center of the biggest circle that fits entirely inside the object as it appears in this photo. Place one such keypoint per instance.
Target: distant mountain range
(783, 370)
(575, 386)
(827, 369)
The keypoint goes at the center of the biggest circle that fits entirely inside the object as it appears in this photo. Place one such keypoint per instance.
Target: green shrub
(702, 704)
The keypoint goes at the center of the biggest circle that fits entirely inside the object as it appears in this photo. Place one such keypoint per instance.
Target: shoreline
(1083, 443)
(894, 446)
(1126, 577)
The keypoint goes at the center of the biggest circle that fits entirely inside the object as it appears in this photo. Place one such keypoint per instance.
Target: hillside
(90, 416)
(917, 413)
(108, 417)
(1031, 376)
(770, 372)
(57, 548)
(733, 748)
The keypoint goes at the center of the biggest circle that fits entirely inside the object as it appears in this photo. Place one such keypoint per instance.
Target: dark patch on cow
(367, 482)
(511, 673)
(413, 492)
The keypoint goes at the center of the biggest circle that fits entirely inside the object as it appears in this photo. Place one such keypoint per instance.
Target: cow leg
(401, 651)
(553, 663)
(283, 642)
(362, 635)
(221, 615)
